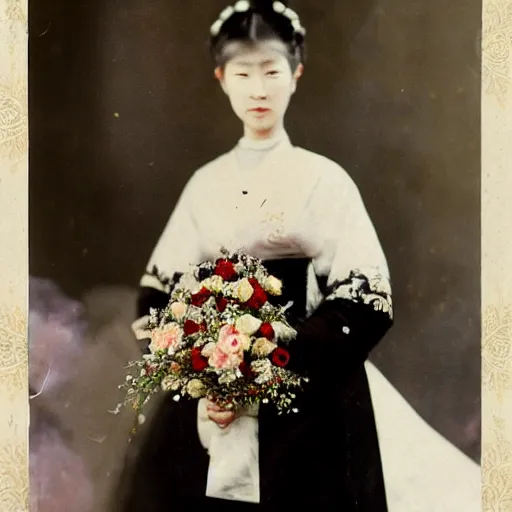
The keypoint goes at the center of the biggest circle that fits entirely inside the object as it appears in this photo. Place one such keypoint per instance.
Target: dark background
(124, 107)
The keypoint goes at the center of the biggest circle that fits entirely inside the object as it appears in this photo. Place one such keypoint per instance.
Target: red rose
(190, 328)
(199, 298)
(267, 331)
(221, 304)
(245, 369)
(199, 363)
(259, 296)
(280, 357)
(225, 269)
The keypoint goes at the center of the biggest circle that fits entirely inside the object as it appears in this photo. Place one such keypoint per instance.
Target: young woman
(302, 214)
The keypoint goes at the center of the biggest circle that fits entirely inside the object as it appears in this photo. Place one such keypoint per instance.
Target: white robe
(295, 203)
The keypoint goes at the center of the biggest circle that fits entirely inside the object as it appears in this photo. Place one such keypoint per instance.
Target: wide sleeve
(177, 248)
(351, 272)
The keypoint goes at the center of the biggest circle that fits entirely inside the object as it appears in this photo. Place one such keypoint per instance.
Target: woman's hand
(222, 417)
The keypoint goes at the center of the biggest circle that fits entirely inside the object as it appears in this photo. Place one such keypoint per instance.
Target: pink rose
(166, 338)
(231, 340)
(229, 349)
(222, 361)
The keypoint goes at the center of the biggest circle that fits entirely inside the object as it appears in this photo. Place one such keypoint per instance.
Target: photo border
(496, 244)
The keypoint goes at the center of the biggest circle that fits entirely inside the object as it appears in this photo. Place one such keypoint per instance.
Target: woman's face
(259, 84)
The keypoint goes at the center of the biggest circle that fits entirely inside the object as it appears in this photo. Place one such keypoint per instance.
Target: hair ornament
(298, 27)
(292, 15)
(279, 7)
(226, 13)
(245, 5)
(242, 6)
(215, 28)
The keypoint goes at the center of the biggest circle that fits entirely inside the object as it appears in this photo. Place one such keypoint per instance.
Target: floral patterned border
(14, 475)
(496, 257)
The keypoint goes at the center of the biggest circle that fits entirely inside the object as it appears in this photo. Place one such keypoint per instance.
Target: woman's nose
(258, 90)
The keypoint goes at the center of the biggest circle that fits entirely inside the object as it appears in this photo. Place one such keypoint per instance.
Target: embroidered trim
(369, 286)
(155, 279)
(139, 328)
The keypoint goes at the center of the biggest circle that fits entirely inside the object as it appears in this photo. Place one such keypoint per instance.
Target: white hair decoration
(245, 5)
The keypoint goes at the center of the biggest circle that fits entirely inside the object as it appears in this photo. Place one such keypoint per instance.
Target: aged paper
(496, 256)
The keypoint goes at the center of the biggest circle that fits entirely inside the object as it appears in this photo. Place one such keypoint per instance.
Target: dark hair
(258, 24)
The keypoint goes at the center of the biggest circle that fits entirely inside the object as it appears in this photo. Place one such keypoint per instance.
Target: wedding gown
(285, 204)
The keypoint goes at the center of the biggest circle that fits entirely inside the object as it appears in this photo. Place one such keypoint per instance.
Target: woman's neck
(256, 135)
(249, 142)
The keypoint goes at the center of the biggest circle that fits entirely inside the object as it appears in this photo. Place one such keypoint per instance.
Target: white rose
(273, 285)
(244, 290)
(208, 349)
(263, 347)
(247, 324)
(283, 332)
(178, 309)
(195, 388)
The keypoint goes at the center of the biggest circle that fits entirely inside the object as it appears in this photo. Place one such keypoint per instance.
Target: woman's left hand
(222, 417)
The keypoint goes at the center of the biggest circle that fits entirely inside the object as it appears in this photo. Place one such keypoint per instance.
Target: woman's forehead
(261, 53)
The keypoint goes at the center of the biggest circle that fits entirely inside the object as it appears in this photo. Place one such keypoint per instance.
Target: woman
(302, 215)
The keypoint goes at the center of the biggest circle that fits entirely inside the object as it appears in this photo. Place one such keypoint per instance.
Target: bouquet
(219, 338)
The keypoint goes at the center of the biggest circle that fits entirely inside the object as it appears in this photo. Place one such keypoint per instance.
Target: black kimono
(303, 216)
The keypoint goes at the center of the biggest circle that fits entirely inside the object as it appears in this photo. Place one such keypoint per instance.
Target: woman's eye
(272, 73)
(244, 75)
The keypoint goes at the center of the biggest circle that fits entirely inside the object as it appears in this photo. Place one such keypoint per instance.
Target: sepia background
(123, 107)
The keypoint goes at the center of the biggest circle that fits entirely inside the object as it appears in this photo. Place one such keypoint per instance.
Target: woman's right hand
(222, 417)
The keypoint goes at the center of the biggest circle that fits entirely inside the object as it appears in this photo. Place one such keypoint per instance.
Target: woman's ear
(219, 75)
(298, 73)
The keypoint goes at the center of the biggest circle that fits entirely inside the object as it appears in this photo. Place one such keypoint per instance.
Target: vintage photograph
(255, 265)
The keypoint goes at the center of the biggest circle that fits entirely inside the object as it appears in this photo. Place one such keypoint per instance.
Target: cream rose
(244, 290)
(273, 285)
(263, 347)
(213, 283)
(247, 324)
(195, 388)
(178, 309)
(208, 349)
